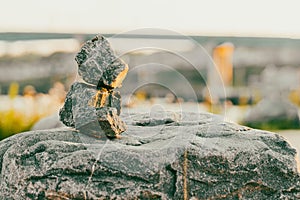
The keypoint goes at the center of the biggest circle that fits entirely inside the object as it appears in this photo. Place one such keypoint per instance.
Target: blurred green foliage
(20, 113)
(11, 120)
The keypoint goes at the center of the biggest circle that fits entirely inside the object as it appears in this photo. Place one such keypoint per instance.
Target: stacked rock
(94, 107)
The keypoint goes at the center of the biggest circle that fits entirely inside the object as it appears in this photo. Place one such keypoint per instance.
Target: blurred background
(237, 59)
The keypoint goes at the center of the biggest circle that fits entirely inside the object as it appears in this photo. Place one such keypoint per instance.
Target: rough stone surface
(82, 102)
(98, 65)
(107, 98)
(273, 113)
(198, 156)
(109, 122)
(103, 71)
(77, 110)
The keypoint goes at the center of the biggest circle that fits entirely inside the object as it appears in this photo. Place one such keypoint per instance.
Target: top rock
(98, 65)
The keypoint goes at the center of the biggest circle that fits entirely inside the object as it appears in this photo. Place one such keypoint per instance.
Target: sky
(278, 18)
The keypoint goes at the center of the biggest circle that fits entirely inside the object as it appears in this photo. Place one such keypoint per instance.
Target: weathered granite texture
(94, 106)
(78, 110)
(191, 156)
(98, 64)
(82, 103)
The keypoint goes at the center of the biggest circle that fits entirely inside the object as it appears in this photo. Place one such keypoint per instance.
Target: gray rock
(65, 113)
(77, 110)
(98, 65)
(107, 98)
(114, 101)
(109, 122)
(82, 102)
(85, 103)
(273, 113)
(198, 156)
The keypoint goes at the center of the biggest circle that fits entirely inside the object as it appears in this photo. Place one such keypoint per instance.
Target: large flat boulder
(171, 156)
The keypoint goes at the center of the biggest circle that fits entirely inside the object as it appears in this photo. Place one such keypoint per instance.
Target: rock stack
(93, 107)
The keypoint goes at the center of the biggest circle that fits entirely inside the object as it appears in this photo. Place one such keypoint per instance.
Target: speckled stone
(198, 156)
(110, 122)
(102, 72)
(81, 106)
(98, 64)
